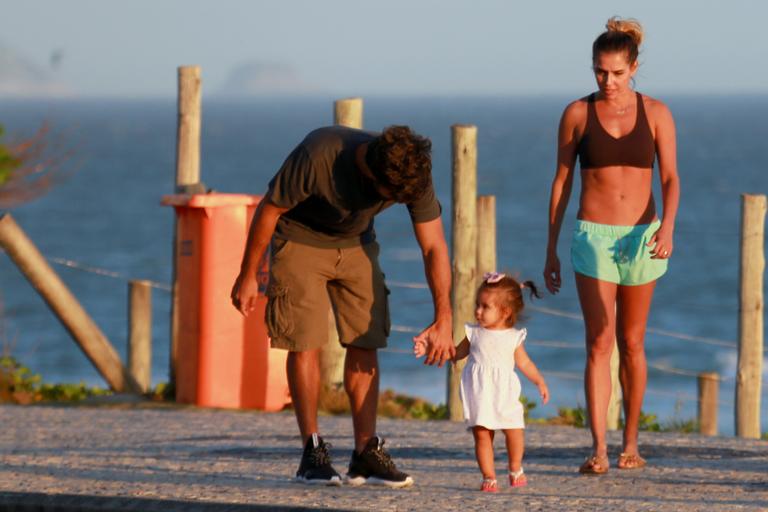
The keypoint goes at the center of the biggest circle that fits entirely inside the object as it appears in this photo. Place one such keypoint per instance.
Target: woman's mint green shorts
(617, 254)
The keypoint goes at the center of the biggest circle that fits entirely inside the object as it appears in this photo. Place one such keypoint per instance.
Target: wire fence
(558, 344)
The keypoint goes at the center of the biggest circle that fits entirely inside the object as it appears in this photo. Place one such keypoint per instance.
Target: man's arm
(246, 287)
(438, 336)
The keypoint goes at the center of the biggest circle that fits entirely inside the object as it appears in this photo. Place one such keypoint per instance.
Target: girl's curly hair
(510, 294)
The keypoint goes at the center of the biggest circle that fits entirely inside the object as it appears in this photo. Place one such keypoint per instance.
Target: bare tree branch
(30, 167)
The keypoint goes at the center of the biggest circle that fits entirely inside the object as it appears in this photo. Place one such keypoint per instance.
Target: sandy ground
(167, 458)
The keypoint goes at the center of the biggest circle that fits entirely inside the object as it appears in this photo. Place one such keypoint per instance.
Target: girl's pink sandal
(517, 478)
(489, 485)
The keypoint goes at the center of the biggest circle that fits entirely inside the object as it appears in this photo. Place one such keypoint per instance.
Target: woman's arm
(666, 148)
(527, 368)
(567, 142)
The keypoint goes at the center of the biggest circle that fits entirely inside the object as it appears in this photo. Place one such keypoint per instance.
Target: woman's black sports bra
(598, 148)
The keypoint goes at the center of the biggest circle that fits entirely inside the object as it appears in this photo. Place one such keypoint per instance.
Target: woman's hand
(661, 243)
(552, 273)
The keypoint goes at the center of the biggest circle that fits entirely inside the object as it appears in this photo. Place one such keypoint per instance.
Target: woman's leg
(633, 305)
(598, 299)
(484, 451)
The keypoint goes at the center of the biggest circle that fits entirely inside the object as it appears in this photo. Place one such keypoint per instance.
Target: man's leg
(361, 381)
(303, 370)
(304, 381)
(370, 463)
(359, 296)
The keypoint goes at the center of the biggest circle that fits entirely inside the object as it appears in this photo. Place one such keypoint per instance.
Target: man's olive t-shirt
(331, 204)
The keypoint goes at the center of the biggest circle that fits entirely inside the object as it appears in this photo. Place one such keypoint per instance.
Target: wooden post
(614, 404)
(348, 112)
(52, 289)
(708, 384)
(140, 333)
(486, 236)
(188, 127)
(187, 179)
(750, 364)
(464, 248)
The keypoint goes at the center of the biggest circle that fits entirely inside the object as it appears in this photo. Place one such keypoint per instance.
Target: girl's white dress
(490, 388)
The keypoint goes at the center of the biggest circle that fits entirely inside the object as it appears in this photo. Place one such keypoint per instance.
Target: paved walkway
(160, 458)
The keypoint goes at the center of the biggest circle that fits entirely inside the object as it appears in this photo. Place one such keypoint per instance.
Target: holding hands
(436, 342)
(419, 347)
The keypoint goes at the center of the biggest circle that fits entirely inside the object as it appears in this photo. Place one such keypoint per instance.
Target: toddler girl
(490, 389)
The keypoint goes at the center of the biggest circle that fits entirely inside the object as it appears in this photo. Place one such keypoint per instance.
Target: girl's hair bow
(493, 277)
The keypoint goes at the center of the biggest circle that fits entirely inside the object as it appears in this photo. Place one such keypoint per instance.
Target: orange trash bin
(223, 358)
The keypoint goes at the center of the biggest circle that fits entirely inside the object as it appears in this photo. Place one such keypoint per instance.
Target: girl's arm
(527, 368)
(666, 147)
(567, 142)
(462, 350)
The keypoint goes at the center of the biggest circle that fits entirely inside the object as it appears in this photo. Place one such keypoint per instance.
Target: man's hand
(244, 293)
(436, 342)
(246, 288)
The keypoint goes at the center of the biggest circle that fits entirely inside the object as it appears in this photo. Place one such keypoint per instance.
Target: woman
(619, 245)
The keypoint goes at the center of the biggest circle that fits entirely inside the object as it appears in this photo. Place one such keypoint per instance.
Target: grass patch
(570, 416)
(19, 385)
(334, 400)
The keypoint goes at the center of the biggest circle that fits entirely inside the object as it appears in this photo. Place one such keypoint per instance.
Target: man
(318, 213)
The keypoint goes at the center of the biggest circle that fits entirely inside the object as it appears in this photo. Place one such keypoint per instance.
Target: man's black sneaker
(374, 466)
(315, 467)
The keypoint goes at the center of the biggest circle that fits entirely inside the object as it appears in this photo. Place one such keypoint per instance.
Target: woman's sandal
(630, 461)
(489, 485)
(517, 478)
(595, 465)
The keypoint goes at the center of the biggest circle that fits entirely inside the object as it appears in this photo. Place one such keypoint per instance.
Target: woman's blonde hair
(621, 35)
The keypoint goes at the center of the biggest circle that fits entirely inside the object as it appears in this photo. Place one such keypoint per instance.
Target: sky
(394, 47)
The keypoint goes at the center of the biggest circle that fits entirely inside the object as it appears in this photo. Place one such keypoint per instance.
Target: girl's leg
(484, 451)
(598, 299)
(515, 438)
(633, 305)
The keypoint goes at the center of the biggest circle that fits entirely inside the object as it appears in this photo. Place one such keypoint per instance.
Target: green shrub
(528, 406)
(572, 416)
(19, 385)
(689, 426)
(8, 162)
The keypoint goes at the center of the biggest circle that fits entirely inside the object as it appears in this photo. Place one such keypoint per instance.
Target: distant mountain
(21, 78)
(259, 78)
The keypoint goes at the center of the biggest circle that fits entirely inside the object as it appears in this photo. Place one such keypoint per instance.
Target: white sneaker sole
(361, 480)
(334, 481)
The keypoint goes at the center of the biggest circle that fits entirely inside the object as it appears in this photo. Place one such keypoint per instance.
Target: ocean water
(107, 215)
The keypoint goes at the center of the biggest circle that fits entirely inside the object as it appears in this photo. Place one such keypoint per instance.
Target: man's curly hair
(401, 162)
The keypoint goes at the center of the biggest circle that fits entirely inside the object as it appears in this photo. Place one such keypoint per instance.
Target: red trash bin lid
(211, 200)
